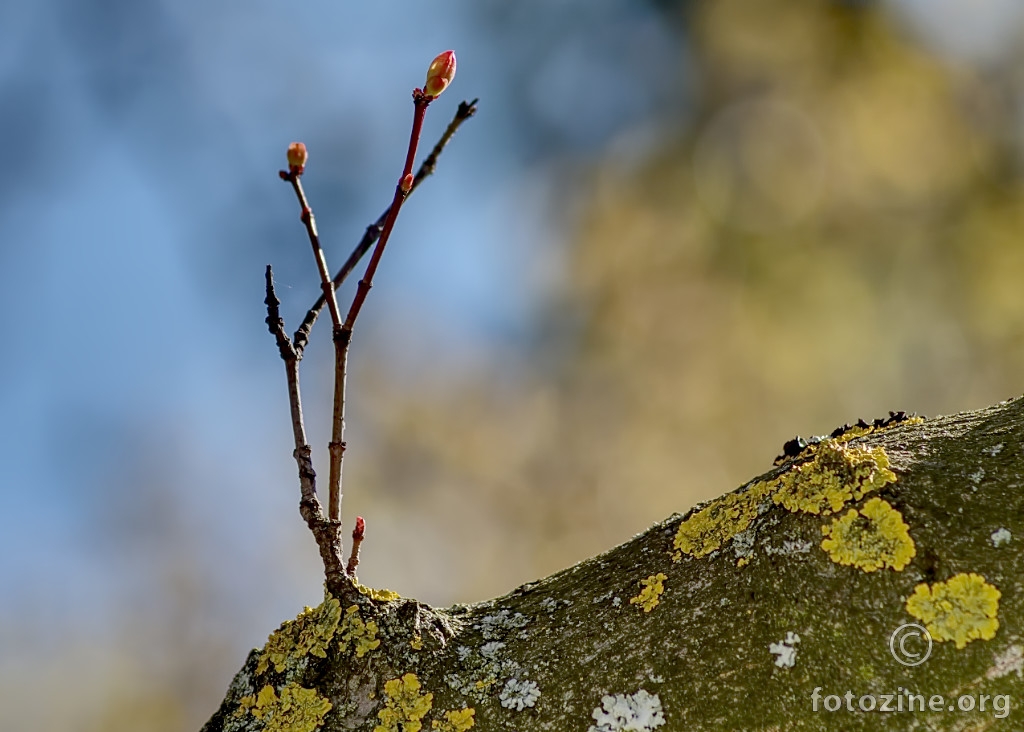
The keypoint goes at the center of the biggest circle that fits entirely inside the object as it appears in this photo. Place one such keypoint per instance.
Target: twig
(336, 446)
(420, 103)
(358, 534)
(426, 169)
(325, 532)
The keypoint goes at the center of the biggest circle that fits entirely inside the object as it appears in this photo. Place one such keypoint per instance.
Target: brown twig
(426, 169)
(326, 533)
(336, 446)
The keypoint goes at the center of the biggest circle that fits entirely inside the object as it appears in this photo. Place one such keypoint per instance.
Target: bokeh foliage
(833, 234)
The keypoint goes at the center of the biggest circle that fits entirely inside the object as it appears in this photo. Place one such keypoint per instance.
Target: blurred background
(675, 235)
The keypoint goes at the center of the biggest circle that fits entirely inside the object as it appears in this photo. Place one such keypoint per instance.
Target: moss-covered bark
(750, 635)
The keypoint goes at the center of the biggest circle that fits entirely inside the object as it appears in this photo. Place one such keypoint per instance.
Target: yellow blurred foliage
(836, 235)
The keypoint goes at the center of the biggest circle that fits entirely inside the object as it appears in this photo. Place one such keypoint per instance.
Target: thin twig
(336, 446)
(325, 532)
(326, 285)
(420, 103)
(358, 534)
(426, 169)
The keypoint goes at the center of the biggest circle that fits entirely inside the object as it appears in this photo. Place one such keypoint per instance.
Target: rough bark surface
(719, 649)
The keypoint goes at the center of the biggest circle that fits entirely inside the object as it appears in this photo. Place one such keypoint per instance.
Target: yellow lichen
(873, 538)
(404, 705)
(837, 475)
(417, 643)
(362, 636)
(458, 721)
(650, 595)
(296, 710)
(310, 633)
(378, 595)
(961, 609)
(707, 529)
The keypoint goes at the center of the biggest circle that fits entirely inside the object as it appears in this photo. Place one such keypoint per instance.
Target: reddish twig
(420, 103)
(426, 169)
(358, 533)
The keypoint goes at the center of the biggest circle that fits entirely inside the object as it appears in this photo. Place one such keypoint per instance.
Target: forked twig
(426, 169)
(327, 530)
(326, 534)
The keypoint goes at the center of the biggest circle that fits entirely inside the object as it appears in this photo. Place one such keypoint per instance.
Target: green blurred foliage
(833, 235)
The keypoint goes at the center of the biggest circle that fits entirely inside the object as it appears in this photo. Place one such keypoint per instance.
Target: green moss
(357, 634)
(404, 705)
(650, 595)
(295, 710)
(961, 609)
(309, 634)
(873, 538)
(835, 475)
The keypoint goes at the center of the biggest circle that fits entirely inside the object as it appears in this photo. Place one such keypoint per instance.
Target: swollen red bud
(297, 157)
(406, 183)
(440, 74)
(359, 530)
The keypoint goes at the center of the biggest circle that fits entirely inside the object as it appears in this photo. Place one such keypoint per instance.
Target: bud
(297, 157)
(359, 530)
(406, 183)
(440, 74)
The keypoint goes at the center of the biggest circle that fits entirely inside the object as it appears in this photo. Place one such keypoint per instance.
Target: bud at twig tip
(440, 74)
(297, 157)
(359, 530)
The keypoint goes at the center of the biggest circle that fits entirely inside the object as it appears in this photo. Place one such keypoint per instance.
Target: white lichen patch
(1000, 537)
(789, 547)
(1010, 660)
(977, 476)
(639, 712)
(785, 650)
(519, 694)
(994, 450)
(500, 624)
(491, 649)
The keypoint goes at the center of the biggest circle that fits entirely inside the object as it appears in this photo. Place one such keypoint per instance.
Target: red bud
(440, 74)
(359, 530)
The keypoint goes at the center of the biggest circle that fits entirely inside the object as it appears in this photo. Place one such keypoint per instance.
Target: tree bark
(750, 612)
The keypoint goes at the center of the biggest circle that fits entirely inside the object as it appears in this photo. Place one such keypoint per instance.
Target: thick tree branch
(753, 621)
